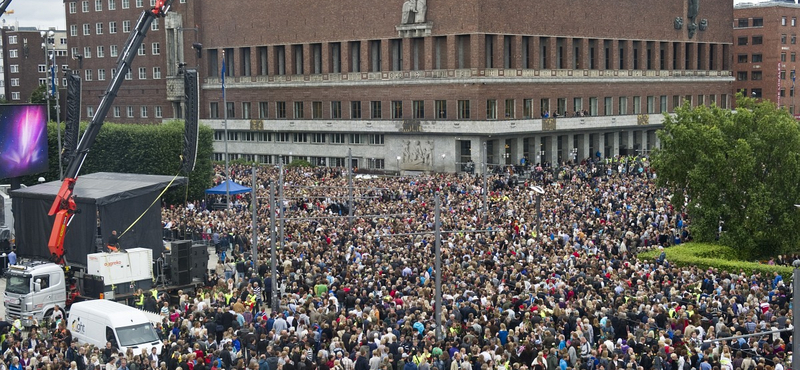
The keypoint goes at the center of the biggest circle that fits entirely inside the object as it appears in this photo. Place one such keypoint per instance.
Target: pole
(58, 129)
(350, 187)
(437, 224)
(538, 214)
(485, 183)
(225, 122)
(280, 208)
(46, 47)
(273, 271)
(796, 315)
(254, 202)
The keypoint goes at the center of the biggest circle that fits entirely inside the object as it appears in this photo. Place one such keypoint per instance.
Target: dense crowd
(557, 289)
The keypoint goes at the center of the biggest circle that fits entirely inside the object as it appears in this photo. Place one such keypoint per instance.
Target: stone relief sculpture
(417, 153)
(703, 24)
(414, 11)
(691, 15)
(678, 23)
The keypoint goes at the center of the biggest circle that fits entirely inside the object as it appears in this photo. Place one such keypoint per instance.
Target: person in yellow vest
(154, 292)
(139, 299)
(228, 297)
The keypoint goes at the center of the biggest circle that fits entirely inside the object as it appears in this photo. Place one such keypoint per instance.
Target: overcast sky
(50, 13)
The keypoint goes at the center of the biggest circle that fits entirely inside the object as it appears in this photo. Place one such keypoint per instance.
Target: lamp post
(398, 165)
(444, 167)
(505, 158)
(538, 190)
(51, 91)
(574, 154)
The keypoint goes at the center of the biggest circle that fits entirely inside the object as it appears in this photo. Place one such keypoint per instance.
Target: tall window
(355, 109)
(316, 110)
(112, 4)
(263, 110)
(280, 109)
(375, 109)
(527, 108)
(491, 109)
(441, 109)
(246, 110)
(419, 109)
(336, 110)
(298, 110)
(397, 109)
(112, 27)
(463, 109)
(510, 109)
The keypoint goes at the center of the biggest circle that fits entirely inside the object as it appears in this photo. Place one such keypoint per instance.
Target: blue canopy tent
(234, 189)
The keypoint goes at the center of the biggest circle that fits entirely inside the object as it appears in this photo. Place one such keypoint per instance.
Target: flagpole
(225, 122)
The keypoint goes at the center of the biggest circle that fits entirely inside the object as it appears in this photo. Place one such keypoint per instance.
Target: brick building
(24, 61)
(765, 51)
(430, 85)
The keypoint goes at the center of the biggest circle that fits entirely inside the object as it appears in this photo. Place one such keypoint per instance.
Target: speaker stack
(199, 261)
(180, 262)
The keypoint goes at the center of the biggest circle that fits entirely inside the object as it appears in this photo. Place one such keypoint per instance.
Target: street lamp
(505, 158)
(538, 190)
(574, 154)
(50, 89)
(444, 167)
(398, 164)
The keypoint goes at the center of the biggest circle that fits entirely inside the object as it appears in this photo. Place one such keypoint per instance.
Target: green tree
(738, 169)
(39, 96)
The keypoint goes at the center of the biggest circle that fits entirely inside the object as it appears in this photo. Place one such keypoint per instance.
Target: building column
(386, 55)
(534, 49)
(498, 54)
(344, 58)
(325, 54)
(551, 149)
(518, 150)
(407, 60)
(583, 62)
(516, 52)
(566, 147)
(583, 147)
(308, 57)
(644, 143)
(477, 50)
(613, 144)
(601, 144)
(679, 48)
(702, 56)
(614, 54)
(642, 55)
(289, 65)
(428, 54)
(271, 63)
(567, 52)
(552, 53)
(628, 54)
(450, 51)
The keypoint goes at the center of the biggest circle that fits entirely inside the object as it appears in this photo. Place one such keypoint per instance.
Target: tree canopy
(738, 170)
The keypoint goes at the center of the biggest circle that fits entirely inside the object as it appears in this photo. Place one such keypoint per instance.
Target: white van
(99, 321)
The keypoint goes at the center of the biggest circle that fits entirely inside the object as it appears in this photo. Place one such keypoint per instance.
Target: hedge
(152, 149)
(704, 255)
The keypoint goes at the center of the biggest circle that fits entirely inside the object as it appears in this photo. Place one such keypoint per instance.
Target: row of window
(14, 53)
(129, 111)
(465, 109)
(112, 5)
(759, 39)
(756, 22)
(371, 163)
(99, 28)
(550, 53)
(101, 74)
(758, 75)
(300, 137)
(155, 49)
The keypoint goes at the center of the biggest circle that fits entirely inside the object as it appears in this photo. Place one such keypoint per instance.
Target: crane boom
(64, 207)
(4, 5)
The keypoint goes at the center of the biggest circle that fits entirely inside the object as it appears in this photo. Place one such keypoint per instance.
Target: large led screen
(23, 140)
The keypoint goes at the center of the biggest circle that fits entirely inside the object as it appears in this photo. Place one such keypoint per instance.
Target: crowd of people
(548, 282)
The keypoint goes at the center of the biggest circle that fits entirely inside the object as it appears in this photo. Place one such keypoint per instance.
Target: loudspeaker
(199, 261)
(180, 262)
(73, 120)
(93, 286)
(191, 88)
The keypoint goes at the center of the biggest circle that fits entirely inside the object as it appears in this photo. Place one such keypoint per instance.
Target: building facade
(24, 61)
(431, 85)
(765, 51)
(97, 31)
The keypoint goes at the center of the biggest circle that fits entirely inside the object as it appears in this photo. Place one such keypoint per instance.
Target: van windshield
(136, 334)
(20, 284)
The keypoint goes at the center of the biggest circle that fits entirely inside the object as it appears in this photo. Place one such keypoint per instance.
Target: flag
(222, 74)
(53, 75)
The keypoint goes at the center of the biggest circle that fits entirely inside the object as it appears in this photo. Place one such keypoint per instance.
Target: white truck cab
(33, 290)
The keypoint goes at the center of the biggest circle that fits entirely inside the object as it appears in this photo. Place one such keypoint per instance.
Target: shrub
(703, 255)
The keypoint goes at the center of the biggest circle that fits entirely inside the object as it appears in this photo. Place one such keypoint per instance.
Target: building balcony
(486, 75)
